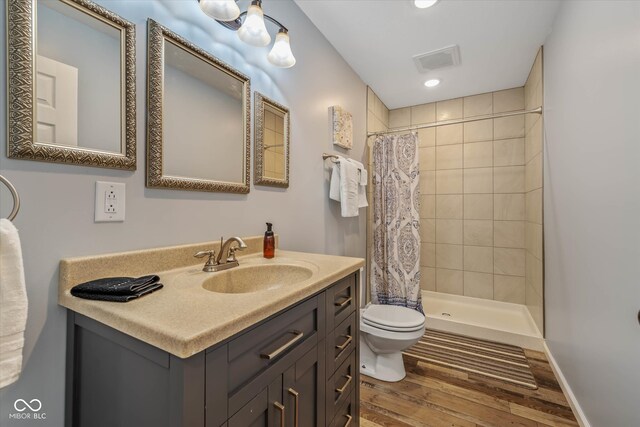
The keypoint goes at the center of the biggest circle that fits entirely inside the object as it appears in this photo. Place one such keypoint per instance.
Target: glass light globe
(222, 10)
(253, 30)
(281, 55)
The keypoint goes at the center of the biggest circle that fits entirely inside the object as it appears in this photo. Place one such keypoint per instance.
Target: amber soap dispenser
(269, 247)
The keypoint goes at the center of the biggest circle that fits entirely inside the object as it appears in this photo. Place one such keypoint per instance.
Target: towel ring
(14, 194)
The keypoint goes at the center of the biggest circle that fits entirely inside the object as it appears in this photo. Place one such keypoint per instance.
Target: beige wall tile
(450, 109)
(508, 127)
(428, 182)
(534, 304)
(427, 254)
(379, 107)
(370, 100)
(478, 131)
(508, 100)
(428, 230)
(534, 239)
(508, 261)
(478, 258)
(509, 289)
(449, 231)
(449, 181)
(478, 285)
(509, 207)
(478, 105)
(450, 134)
(533, 173)
(422, 114)
(478, 180)
(371, 122)
(508, 152)
(427, 137)
(449, 206)
(385, 115)
(449, 281)
(400, 117)
(428, 279)
(478, 206)
(534, 206)
(508, 179)
(533, 140)
(509, 234)
(478, 154)
(427, 158)
(427, 206)
(478, 232)
(449, 157)
(449, 256)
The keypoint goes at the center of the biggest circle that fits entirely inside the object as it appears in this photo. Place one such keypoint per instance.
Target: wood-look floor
(432, 395)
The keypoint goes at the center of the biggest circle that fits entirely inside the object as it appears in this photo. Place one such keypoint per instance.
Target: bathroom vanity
(197, 353)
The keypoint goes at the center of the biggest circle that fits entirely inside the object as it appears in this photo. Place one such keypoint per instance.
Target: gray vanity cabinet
(297, 369)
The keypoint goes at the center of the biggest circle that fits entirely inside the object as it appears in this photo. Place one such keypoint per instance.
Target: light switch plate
(110, 201)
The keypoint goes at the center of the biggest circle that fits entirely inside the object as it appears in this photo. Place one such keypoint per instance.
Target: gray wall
(56, 220)
(592, 205)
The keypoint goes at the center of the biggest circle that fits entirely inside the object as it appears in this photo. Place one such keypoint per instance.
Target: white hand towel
(13, 300)
(362, 181)
(349, 183)
(334, 185)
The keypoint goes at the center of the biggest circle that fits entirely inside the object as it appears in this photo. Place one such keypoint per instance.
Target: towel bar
(16, 198)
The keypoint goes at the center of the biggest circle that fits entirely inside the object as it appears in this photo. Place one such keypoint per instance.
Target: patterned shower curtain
(395, 264)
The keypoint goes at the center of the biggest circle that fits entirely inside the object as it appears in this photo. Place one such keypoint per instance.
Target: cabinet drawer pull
(343, 303)
(280, 407)
(346, 384)
(283, 347)
(344, 345)
(349, 418)
(296, 396)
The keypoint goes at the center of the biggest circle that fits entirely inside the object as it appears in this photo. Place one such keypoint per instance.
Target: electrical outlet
(110, 201)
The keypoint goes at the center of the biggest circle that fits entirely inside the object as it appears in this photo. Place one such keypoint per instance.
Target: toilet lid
(393, 317)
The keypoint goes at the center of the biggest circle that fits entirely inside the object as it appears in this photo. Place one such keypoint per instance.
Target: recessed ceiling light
(423, 4)
(432, 83)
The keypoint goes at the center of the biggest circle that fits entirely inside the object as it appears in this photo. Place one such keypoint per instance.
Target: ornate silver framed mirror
(198, 118)
(271, 151)
(71, 84)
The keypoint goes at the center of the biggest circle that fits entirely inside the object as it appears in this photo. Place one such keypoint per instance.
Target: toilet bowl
(385, 331)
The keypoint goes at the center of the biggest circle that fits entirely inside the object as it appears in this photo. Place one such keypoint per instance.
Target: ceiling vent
(441, 58)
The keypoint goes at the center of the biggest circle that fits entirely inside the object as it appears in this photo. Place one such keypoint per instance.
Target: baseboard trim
(564, 385)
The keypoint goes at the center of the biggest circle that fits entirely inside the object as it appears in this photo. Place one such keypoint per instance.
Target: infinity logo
(24, 405)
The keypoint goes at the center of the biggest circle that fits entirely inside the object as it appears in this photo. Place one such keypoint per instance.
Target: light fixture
(224, 10)
(432, 82)
(251, 29)
(423, 4)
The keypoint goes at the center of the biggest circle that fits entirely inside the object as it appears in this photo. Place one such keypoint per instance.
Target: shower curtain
(395, 263)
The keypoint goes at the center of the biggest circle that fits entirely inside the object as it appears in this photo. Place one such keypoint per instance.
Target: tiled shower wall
(534, 271)
(472, 196)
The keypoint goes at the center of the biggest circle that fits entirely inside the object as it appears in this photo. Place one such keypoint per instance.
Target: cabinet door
(304, 390)
(264, 410)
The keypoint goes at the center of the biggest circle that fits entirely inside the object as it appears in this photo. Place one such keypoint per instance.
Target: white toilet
(385, 331)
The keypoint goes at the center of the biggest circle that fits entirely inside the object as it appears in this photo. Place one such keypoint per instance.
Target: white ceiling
(498, 42)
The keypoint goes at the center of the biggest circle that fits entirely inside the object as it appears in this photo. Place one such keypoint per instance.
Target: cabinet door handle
(275, 353)
(346, 384)
(344, 345)
(296, 396)
(343, 303)
(280, 407)
(349, 418)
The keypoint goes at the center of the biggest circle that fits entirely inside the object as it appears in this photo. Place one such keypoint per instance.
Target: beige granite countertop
(184, 318)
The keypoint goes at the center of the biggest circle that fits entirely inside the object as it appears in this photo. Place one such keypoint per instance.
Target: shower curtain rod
(453, 122)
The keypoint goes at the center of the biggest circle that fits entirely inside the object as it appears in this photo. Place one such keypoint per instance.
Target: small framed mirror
(271, 151)
(198, 118)
(71, 84)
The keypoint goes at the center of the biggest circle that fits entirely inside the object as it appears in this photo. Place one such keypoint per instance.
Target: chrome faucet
(214, 263)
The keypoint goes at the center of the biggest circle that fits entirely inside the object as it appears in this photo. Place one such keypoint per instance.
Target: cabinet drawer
(340, 385)
(341, 342)
(346, 416)
(342, 300)
(253, 352)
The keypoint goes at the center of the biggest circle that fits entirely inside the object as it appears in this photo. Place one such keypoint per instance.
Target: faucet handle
(203, 254)
(211, 262)
(232, 252)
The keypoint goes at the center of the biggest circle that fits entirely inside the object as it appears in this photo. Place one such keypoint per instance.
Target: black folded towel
(120, 289)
